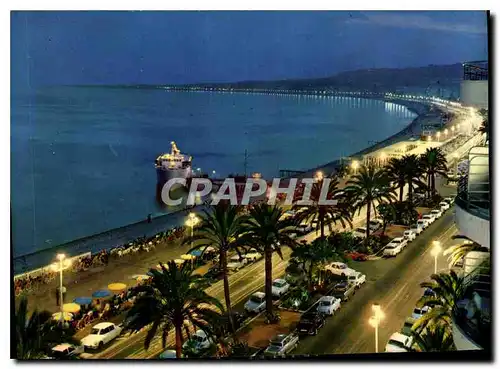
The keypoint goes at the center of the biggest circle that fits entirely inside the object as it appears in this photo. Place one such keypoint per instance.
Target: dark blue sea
(82, 157)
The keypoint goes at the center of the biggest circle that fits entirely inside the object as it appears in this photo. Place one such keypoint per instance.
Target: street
(394, 284)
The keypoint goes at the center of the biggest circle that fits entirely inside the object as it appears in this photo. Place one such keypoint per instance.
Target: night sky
(188, 47)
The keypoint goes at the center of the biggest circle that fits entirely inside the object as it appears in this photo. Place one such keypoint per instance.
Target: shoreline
(122, 235)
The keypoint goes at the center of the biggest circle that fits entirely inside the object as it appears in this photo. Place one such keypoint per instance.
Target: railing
(476, 71)
(465, 203)
(475, 321)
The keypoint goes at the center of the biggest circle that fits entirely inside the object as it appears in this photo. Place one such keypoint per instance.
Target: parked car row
(395, 246)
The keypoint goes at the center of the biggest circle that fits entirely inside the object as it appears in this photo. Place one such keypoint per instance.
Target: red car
(357, 256)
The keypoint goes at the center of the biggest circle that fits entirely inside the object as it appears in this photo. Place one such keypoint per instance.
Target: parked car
(66, 351)
(310, 322)
(396, 341)
(214, 272)
(169, 354)
(423, 223)
(357, 256)
(402, 241)
(437, 213)
(450, 200)
(344, 290)
(304, 229)
(281, 345)
(406, 330)
(236, 262)
(101, 334)
(328, 305)
(252, 255)
(256, 303)
(444, 205)
(417, 229)
(358, 279)
(429, 292)
(419, 312)
(280, 287)
(409, 235)
(339, 269)
(392, 250)
(359, 232)
(374, 226)
(429, 217)
(238, 320)
(198, 342)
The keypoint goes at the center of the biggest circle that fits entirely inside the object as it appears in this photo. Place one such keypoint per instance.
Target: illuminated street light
(319, 175)
(436, 251)
(375, 320)
(438, 134)
(446, 132)
(355, 165)
(59, 267)
(191, 222)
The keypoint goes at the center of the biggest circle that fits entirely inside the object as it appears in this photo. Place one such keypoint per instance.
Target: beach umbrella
(66, 316)
(165, 265)
(209, 249)
(196, 253)
(117, 287)
(83, 300)
(99, 294)
(71, 307)
(188, 257)
(179, 261)
(140, 277)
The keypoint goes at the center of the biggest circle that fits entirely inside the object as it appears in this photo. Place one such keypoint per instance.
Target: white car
(420, 312)
(396, 341)
(101, 334)
(358, 279)
(359, 232)
(374, 225)
(450, 200)
(256, 303)
(280, 287)
(235, 262)
(328, 305)
(340, 269)
(198, 342)
(423, 223)
(444, 205)
(253, 255)
(409, 235)
(399, 241)
(393, 248)
(416, 229)
(437, 213)
(429, 217)
(66, 350)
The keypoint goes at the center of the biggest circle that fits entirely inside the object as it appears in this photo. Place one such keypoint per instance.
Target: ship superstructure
(173, 165)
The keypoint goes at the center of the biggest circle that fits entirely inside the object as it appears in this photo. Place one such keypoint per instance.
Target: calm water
(82, 158)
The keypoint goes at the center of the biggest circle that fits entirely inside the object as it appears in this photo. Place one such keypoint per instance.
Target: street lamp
(436, 250)
(319, 175)
(446, 132)
(355, 165)
(191, 222)
(438, 134)
(213, 173)
(375, 320)
(59, 267)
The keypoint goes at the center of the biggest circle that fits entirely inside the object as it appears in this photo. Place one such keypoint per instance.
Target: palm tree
(318, 252)
(171, 300)
(30, 337)
(485, 127)
(397, 175)
(433, 162)
(388, 214)
(449, 289)
(268, 230)
(436, 338)
(367, 188)
(321, 212)
(219, 228)
(458, 252)
(413, 173)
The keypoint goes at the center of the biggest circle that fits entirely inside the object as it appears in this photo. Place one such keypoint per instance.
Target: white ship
(172, 165)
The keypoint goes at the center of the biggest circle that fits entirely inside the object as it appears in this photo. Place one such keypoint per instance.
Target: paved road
(394, 284)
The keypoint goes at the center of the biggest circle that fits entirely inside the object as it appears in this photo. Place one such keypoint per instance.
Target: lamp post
(375, 320)
(319, 175)
(438, 134)
(59, 267)
(446, 132)
(436, 250)
(355, 166)
(191, 222)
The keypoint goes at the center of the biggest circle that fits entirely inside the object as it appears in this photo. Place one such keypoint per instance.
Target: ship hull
(164, 175)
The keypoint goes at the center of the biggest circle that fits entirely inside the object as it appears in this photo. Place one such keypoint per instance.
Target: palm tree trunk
(227, 296)
(268, 254)
(410, 190)
(178, 340)
(322, 225)
(368, 209)
(428, 186)
(433, 183)
(401, 189)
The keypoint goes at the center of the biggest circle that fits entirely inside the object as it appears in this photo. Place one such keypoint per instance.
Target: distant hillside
(384, 79)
